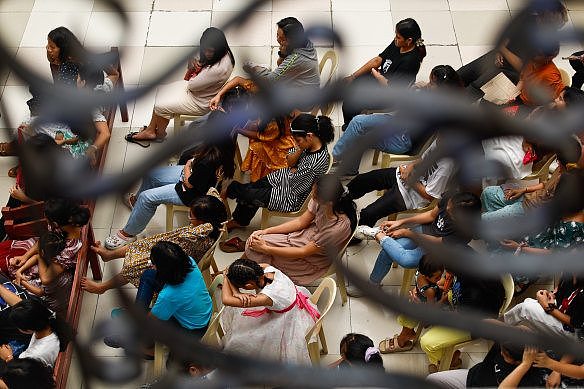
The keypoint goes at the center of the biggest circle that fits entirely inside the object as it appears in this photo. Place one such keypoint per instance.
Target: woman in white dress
(270, 324)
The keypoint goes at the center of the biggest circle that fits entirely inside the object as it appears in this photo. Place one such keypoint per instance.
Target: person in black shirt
(398, 63)
(505, 365)
(178, 185)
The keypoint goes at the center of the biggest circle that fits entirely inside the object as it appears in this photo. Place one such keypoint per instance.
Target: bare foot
(106, 255)
(92, 286)
(145, 134)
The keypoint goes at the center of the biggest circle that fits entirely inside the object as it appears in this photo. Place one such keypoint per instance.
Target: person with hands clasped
(560, 312)
(499, 203)
(437, 225)
(299, 247)
(270, 324)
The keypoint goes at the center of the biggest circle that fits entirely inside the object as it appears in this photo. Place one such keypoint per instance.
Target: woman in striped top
(285, 190)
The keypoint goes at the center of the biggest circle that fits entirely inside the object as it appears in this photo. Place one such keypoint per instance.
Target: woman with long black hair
(205, 76)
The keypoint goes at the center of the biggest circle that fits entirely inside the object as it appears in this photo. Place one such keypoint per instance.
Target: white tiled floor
(162, 31)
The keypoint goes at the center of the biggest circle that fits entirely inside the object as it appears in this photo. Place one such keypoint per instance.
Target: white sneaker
(366, 232)
(113, 242)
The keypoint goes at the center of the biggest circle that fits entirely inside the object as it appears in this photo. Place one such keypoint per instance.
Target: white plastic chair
(312, 340)
(509, 286)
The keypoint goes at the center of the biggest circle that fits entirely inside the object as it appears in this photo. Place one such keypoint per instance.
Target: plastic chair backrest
(329, 285)
(331, 56)
(566, 79)
(212, 336)
(205, 262)
(213, 290)
(509, 286)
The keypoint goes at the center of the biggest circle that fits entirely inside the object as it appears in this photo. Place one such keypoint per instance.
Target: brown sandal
(13, 171)
(8, 149)
(386, 346)
(233, 245)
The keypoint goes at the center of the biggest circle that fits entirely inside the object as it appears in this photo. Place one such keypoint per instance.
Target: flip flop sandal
(130, 138)
(8, 149)
(13, 171)
(233, 245)
(386, 347)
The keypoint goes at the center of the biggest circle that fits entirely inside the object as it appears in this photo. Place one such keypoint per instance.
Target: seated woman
(183, 299)
(178, 185)
(357, 350)
(378, 130)
(205, 76)
(499, 203)
(31, 316)
(299, 248)
(398, 63)
(279, 310)
(94, 80)
(19, 259)
(560, 312)
(285, 190)
(437, 225)
(206, 216)
(269, 140)
(297, 61)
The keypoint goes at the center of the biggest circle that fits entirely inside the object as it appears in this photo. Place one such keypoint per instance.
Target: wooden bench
(87, 257)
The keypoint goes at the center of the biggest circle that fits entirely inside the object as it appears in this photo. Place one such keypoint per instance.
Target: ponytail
(409, 29)
(358, 349)
(326, 130)
(329, 188)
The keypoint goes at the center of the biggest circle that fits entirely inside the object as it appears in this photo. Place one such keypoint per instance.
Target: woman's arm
(373, 63)
(421, 218)
(211, 75)
(32, 289)
(235, 81)
(563, 366)
(28, 264)
(293, 158)
(511, 57)
(512, 380)
(250, 130)
(10, 298)
(21, 260)
(297, 224)
(242, 300)
(102, 135)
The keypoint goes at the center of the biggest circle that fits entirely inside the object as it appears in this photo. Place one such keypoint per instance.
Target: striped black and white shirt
(291, 188)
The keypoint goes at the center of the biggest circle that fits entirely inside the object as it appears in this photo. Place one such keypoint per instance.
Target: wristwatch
(550, 308)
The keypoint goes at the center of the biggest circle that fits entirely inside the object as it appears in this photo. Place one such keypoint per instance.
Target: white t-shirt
(434, 180)
(509, 151)
(44, 350)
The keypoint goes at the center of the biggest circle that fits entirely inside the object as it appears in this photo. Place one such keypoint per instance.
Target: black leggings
(250, 197)
(391, 201)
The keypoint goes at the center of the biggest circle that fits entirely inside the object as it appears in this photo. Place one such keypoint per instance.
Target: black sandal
(141, 142)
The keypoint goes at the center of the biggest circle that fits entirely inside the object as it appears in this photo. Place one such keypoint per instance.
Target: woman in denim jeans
(437, 225)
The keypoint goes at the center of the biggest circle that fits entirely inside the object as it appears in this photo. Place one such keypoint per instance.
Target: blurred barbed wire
(424, 112)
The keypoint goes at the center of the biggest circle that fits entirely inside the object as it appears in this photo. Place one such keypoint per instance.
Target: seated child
(426, 290)
(358, 350)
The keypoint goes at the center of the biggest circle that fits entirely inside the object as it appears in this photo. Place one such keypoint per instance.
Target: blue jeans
(157, 188)
(148, 286)
(395, 142)
(497, 207)
(404, 251)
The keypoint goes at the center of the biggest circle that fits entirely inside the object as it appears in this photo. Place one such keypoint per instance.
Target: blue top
(189, 302)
